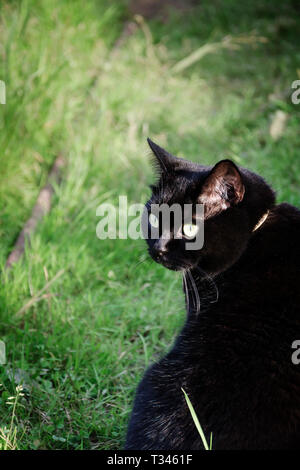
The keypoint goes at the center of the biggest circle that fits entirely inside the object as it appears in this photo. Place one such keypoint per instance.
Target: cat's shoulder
(287, 214)
(288, 209)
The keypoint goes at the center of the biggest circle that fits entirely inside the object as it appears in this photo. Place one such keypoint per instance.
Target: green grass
(80, 351)
(197, 423)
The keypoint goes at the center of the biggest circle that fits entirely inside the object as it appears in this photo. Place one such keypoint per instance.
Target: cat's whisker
(140, 262)
(195, 290)
(186, 291)
(207, 276)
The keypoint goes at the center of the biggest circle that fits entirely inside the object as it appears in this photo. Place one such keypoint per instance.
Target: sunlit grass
(9, 434)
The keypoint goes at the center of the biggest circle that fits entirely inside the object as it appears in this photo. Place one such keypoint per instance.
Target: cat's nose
(160, 247)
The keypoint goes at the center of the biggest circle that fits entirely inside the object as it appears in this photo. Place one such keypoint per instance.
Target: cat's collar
(261, 221)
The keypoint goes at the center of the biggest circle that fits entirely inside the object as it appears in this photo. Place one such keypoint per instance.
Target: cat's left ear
(223, 187)
(163, 161)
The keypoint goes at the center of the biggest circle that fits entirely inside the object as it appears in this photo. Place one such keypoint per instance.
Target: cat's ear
(223, 187)
(163, 161)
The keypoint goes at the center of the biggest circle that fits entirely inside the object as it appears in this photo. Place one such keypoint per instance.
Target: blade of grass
(38, 297)
(197, 423)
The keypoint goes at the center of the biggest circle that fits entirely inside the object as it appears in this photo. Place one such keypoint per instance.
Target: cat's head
(234, 200)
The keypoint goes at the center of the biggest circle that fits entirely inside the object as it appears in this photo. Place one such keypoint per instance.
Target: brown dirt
(151, 9)
(158, 8)
(41, 208)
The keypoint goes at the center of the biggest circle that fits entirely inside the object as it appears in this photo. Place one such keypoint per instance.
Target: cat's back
(284, 221)
(271, 263)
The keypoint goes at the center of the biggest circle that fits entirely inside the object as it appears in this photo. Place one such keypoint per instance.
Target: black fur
(233, 356)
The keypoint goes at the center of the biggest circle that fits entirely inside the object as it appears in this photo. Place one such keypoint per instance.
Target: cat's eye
(190, 230)
(153, 220)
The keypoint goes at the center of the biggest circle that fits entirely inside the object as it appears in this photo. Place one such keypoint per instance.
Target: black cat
(234, 354)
